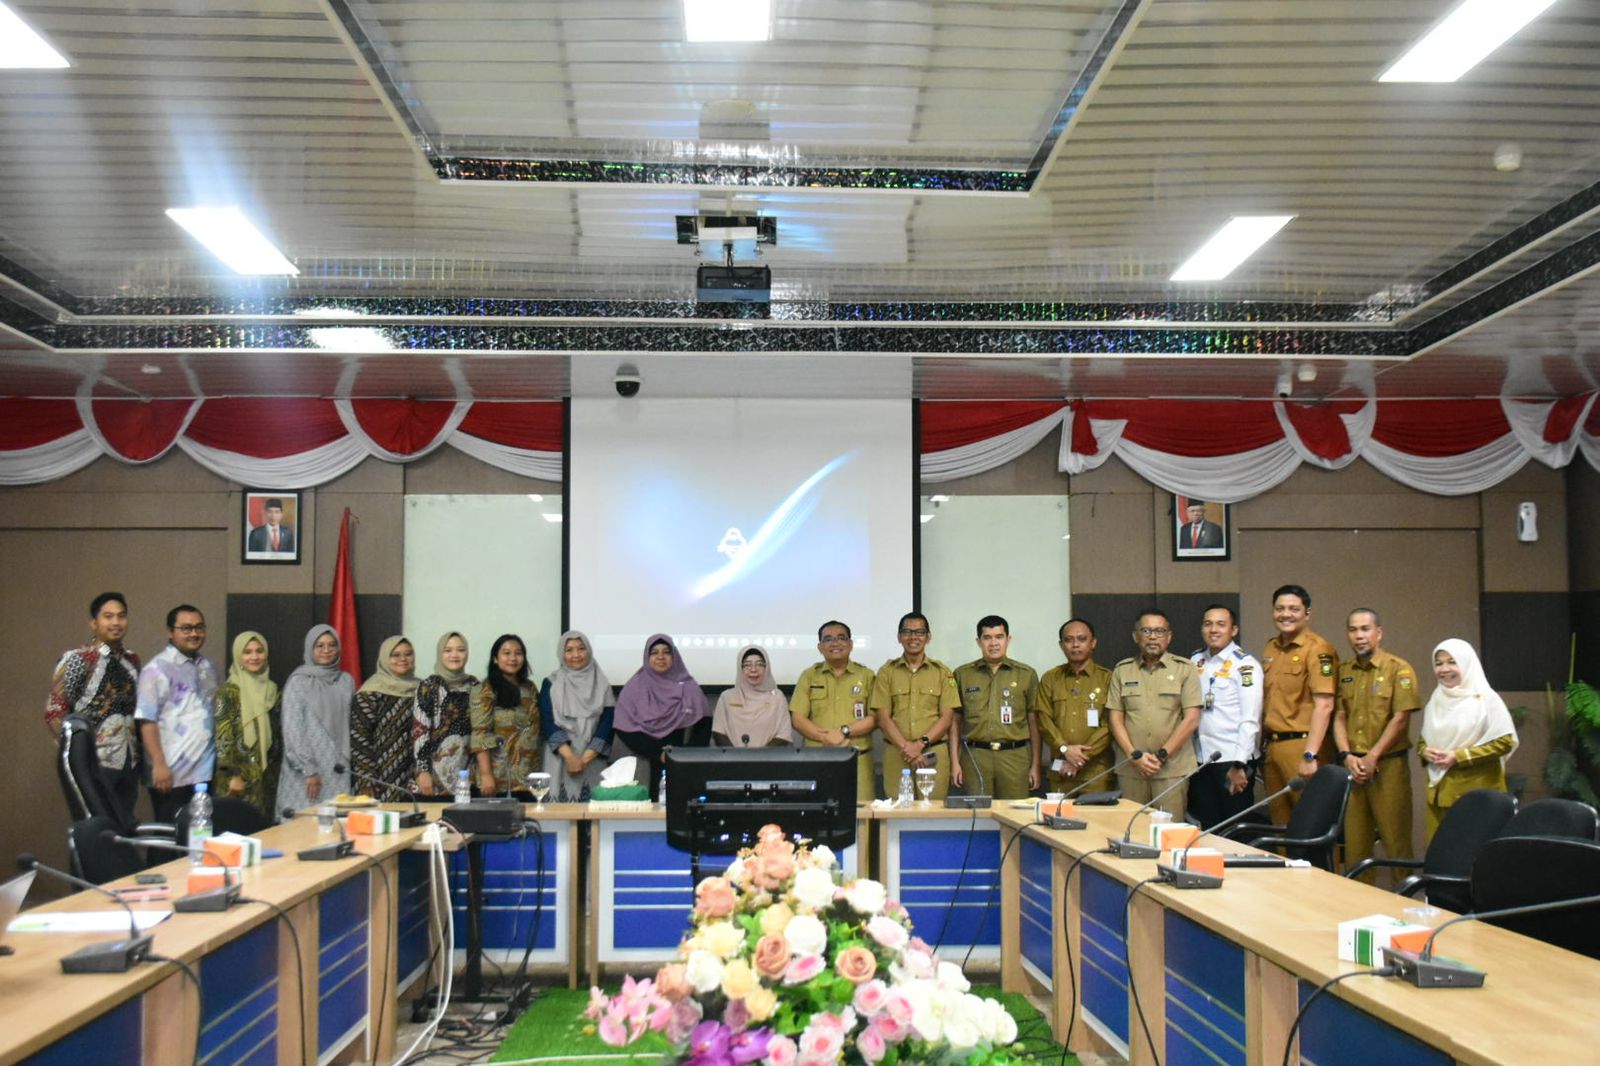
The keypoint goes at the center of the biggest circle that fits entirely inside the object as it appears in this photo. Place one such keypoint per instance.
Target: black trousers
(1209, 802)
(166, 805)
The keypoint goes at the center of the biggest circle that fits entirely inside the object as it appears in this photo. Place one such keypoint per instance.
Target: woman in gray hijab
(575, 717)
(316, 726)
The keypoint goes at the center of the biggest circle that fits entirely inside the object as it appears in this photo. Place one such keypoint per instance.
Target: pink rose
(672, 984)
(686, 1014)
(772, 956)
(856, 964)
(891, 1029)
(887, 932)
(872, 1046)
(898, 1007)
(774, 869)
(823, 1042)
(871, 998)
(781, 1051)
(801, 969)
(769, 832)
(714, 898)
(736, 1015)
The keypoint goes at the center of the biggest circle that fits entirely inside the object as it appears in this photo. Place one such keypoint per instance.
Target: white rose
(735, 872)
(806, 935)
(823, 858)
(925, 1019)
(950, 977)
(963, 1023)
(865, 896)
(703, 970)
(813, 889)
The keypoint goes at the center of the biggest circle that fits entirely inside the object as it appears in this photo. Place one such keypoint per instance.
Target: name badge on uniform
(860, 710)
(1093, 715)
(1058, 766)
(1005, 714)
(1211, 700)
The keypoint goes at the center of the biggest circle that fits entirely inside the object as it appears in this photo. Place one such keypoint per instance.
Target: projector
(733, 284)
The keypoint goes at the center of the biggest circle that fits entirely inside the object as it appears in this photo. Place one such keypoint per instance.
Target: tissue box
(371, 823)
(1362, 940)
(1164, 836)
(1200, 860)
(207, 878)
(234, 849)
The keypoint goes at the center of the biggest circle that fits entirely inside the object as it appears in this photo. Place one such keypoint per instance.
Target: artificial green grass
(554, 1031)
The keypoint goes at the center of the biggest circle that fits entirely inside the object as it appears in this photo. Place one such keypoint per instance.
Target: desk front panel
(946, 873)
(1205, 991)
(1103, 935)
(413, 916)
(526, 889)
(1336, 1032)
(1036, 907)
(115, 1038)
(343, 955)
(240, 1020)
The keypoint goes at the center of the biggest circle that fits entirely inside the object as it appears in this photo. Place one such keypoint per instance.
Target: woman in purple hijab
(660, 706)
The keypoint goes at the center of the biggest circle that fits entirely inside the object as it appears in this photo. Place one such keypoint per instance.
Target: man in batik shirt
(98, 685)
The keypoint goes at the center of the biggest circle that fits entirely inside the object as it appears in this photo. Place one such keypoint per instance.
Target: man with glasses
(1301, 673)
(915, 700)
(1230, 722)
(1070, 702)
(829, 705)
(176, 714)
(1154, 707)
(1001, 755)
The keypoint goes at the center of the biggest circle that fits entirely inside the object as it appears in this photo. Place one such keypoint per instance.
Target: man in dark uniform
(1154, 704)
(1069, 702)
(1001, 753)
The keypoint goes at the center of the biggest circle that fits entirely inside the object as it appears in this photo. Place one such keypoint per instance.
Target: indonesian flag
(342, 609)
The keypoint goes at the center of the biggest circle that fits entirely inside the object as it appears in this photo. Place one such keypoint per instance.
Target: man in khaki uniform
(829, 705)
(1301, 672)
(1372, 713)
(1001, 754)
(1154, 707)
(1069, 703)
(914, 698)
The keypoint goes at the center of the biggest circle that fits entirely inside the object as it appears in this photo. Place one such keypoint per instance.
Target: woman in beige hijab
(753, 713)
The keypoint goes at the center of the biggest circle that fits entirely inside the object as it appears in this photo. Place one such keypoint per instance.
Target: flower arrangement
(786, 965)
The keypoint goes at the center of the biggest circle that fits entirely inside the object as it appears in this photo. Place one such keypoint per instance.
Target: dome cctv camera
(627, 381)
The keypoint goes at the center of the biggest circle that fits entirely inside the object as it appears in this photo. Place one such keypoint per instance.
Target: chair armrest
(1367, 864)
(1273, 841)
(156, 829)
(1253, 827)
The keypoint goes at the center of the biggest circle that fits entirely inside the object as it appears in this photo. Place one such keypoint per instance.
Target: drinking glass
(539, 785)
(925, 781)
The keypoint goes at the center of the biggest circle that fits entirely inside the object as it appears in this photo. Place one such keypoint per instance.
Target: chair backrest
(1317, 818)
(78, 768)
(1474, 819)
(1554, 818)
(1517, 871)
(100, 860)
(228, 815)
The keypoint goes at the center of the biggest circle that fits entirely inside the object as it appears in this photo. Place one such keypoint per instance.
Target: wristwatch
(1135, 755)
(1161, 753)
(844, 730)
(923, 740)
(1308, 756)
(1343, 755)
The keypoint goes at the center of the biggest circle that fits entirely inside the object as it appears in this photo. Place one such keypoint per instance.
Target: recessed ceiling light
(22, 48)
(727, 20)
(149, 368)
(350, 339)
(1464, 39)
(1232, 245)
(229, 236)
(553, 519)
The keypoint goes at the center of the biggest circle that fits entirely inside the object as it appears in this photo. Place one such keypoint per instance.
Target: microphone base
(968, 803)
(1179, 877)
(1131, 849)
(413, 819)
(333, 852)
(118, 956)
(1056, 821)
(1432, 972)
(1254, 862)
(1098, 799)
(218, 899)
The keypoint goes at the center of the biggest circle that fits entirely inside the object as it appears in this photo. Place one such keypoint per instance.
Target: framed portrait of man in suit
(1199, 529)
(271, 527)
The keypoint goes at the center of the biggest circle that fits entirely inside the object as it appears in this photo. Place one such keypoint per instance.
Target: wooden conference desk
(1220, 973)
(352, 929)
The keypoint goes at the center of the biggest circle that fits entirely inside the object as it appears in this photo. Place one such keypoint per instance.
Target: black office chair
(98, 859)
(1517, 871)
(78, 768)
(228, 815)
(1554, 818)
(1446, 869)
(1314, 824)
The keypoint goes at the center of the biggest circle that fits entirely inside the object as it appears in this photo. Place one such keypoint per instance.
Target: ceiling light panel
(1463, 39)
(229, 236)
(23, 48)
(1231, 245)
(726, 21)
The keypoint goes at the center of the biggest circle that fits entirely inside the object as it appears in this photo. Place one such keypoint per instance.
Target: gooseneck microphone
(410, 820)
(1179, 874)
(216, 899)
(1059, 821)
(1423, 970)
(329, 852)
(1126, 848)
(972, 800)
(116, 956)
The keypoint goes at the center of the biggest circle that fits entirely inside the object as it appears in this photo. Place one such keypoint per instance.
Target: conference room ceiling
(973, 199)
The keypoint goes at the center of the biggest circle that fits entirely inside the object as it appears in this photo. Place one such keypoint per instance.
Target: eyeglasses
(834, 640)
(1153, 631)
(201, 628)
(913, 632)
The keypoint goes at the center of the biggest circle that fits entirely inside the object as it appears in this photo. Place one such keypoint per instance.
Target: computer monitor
(719, 798)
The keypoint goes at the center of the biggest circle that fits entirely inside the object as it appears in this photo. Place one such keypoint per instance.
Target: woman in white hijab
(753, 713)
(576, 709)
(1467, 732)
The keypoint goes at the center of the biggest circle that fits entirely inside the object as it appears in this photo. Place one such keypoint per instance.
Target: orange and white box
(1200, 860)
(235, 849)
(371, 823)
(1363, 939)
(1165, 836)
(208, 878)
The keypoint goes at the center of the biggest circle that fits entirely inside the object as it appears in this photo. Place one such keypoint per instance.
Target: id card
(1093, 715)
(1005, 714)
(1059, 766)
(860, 709)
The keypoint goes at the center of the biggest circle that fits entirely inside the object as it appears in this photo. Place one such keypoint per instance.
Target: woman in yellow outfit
(1467, 732)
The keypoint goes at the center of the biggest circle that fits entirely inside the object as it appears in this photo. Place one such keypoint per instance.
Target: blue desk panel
(342, 962)
(413, 915)
(1334, 1032)
(1204, 977)
(1037, 909)
(947, 874)
(1103, 935)
(239, 1026)
(523, 879)
(116, 1038)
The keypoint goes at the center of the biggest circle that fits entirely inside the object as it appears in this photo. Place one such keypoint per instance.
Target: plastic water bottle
(463, 787)
(199, 822)
(905, 788)
(663, 792)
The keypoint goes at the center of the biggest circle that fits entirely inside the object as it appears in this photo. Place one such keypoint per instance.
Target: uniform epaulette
(1198, 653)
(1125, 662)
(1240, 653)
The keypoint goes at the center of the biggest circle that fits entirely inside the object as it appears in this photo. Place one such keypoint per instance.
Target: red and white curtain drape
(1220, 450)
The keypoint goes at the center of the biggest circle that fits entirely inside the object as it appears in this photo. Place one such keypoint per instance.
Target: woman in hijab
(441, 727)
(1467, 732)
(504, 737)
(380, 721)
(249, 735)
(575, 716)
(316, 725)
(661, 705)
(753, 713)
